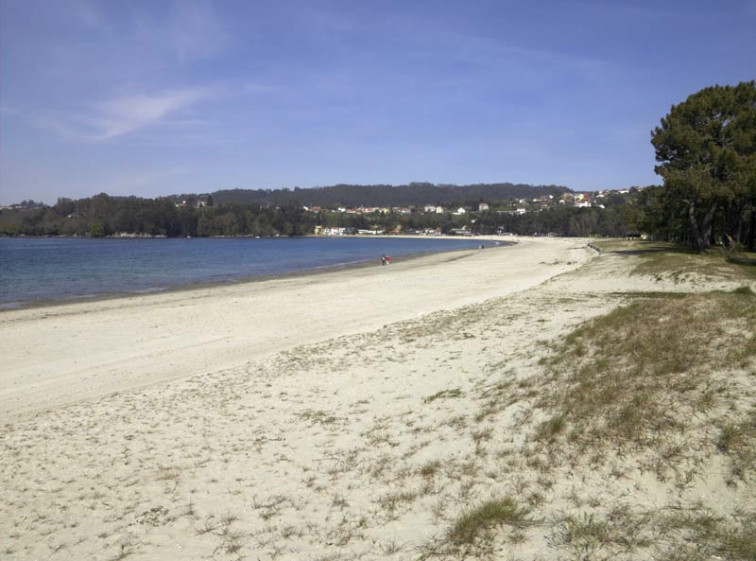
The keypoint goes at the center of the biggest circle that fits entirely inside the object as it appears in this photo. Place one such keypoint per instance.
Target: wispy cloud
(124, 115)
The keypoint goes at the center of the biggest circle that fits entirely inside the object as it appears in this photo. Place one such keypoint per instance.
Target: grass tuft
(731, 539)
(490, 514)
(738, 441)
(443, 394)
(551, 428)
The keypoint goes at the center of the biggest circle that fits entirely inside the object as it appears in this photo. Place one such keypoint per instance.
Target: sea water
(35, 270)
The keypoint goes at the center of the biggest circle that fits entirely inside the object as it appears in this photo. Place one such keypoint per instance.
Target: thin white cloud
(124, 115)
(127, 114)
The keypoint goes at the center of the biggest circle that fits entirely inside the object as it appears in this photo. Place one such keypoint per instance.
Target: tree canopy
(343, 195)
(706, 149)
(104, 215)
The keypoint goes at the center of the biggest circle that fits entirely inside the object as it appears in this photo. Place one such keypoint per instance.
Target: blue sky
(156, 97)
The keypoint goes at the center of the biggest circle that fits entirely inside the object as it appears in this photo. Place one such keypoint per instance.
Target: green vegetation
(626, 377)
(738, 441)
(676, 262)
(412, 194)
(103, 215)
(706, 149)
(443, 394)
(709, 536)
(619, 531)
(495, 512)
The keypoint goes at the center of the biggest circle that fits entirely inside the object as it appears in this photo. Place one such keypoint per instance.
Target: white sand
(335, 416)
(58, 355)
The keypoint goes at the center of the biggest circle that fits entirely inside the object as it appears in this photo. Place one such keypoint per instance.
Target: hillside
(387, 195)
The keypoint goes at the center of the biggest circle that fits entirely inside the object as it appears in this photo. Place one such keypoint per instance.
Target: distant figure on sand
(383, 259)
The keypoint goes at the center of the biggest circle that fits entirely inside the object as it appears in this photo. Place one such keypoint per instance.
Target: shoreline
(81, 350)
(198, 285)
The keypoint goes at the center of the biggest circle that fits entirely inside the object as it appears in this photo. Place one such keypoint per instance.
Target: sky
(159, 97)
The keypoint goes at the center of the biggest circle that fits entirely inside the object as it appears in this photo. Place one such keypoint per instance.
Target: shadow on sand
(650, 248)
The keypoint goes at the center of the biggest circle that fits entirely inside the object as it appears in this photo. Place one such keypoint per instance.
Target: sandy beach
(346, 415)
(62, 354)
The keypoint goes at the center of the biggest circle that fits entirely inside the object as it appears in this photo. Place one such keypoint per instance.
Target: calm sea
(34, 270)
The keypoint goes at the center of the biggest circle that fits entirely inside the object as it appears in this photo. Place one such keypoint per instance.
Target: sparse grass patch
(549, 429)
(156, 516)
(318, 417)
(638, 295)
(493, 513)
(443, 394)
(714, 537)
(392, 501)
(391, 547)
(272, 507)
(744, 261)
(680, 263)
(620, 530)
(739, 542)
(584, 533)
(430, 469)
(738, 441)
(626, 377)
(125, 548)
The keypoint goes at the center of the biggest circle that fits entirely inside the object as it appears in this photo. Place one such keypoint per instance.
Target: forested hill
(416, 194)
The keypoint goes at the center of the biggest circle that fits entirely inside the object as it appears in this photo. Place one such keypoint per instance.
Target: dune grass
(707, 535)
(626, 377)
(680, 263)
(495, 512)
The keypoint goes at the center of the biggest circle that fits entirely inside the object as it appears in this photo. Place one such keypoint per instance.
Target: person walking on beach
(383, 260)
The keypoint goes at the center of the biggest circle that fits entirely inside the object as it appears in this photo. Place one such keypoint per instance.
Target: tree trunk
(701, 233)
(707, 226)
